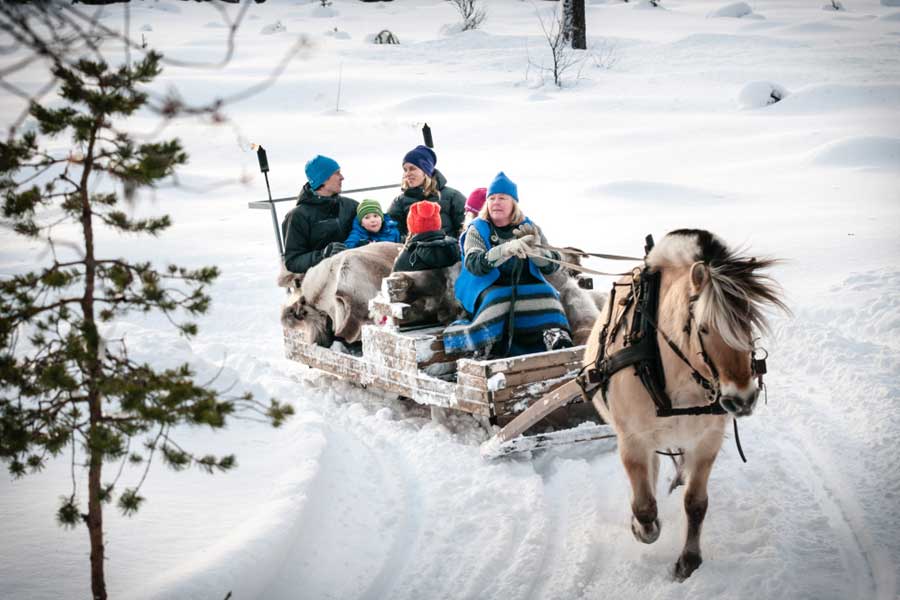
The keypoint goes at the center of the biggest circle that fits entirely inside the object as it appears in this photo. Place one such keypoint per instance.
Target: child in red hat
(426, 247)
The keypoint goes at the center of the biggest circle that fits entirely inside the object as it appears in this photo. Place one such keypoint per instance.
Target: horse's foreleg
(695, 503)
(641, 465)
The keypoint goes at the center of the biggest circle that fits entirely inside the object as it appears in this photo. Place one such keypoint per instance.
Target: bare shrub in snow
(471, 12)
(604, 55)
(564, 60)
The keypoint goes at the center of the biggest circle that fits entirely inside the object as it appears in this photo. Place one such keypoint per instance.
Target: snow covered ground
(361, 496)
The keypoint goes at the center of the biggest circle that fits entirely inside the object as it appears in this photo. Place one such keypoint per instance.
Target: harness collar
(641, 350)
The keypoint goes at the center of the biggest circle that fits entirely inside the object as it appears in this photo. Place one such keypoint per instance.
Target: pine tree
(64, 388)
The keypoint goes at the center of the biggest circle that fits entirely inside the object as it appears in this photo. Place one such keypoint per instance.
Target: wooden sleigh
(533, 398)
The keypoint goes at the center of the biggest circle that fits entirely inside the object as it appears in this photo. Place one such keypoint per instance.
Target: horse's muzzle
(740, 405)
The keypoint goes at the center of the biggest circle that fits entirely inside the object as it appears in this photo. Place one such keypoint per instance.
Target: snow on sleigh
(394, 344)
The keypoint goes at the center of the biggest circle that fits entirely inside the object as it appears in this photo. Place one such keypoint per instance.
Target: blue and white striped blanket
(537, 308)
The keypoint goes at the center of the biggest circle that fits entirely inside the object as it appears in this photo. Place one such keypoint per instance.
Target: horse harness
(641, 350)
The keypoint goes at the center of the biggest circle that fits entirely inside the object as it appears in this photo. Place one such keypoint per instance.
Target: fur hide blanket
(429, 293)
(333, 297)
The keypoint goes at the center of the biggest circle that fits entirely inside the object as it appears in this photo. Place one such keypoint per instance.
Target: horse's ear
(699, 275)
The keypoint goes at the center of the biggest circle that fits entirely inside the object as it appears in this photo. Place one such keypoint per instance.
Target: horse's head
(714, 305)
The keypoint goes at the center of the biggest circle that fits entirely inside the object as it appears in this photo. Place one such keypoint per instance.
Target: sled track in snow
(845, 515)
(408, 507)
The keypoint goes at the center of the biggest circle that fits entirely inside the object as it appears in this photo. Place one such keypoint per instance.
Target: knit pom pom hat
(423, 216)
(367, 207)
(503, 185)
(319, 169)
(422, 157)
(476, 200)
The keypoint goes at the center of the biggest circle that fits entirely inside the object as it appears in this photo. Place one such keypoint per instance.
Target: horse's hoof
(646, 533)
(687, 563)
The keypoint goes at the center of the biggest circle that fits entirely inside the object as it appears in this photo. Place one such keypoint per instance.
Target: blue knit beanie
(423, 157)
(319, 169)
(503, 185)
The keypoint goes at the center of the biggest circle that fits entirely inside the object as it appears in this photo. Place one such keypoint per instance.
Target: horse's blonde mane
(733, 300)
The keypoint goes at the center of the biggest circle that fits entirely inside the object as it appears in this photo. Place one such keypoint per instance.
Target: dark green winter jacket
(429, 250)
(453, 207)
(311, 225)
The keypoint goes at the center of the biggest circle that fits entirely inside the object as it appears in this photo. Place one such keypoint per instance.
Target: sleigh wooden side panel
(390, 362)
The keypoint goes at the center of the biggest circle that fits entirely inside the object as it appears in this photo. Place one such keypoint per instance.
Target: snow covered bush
(385, 37)
(276, 27)
(736, 10)
(759, 94)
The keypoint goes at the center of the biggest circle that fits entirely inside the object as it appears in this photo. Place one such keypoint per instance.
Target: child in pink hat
(474, 204)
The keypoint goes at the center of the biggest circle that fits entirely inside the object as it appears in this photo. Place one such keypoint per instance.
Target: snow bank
(324, 12)
(833, 97)
(337, 34)
(653, 192)
(864, 151)
(441, 104)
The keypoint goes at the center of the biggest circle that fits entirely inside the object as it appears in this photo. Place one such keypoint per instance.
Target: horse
(332, 299)
(710, 305)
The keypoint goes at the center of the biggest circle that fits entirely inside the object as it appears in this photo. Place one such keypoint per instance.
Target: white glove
(525, 229)
(518, 247)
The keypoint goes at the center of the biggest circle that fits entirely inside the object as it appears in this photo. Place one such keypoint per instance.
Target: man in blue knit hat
(322, 219)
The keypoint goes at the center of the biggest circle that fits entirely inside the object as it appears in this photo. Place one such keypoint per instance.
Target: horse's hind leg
(642, 465)
(695, 503)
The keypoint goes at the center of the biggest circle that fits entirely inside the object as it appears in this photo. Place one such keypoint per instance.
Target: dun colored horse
(710, 305)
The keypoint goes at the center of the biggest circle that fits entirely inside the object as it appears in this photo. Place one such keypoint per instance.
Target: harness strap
(737, 441)
(573, 266)
(581, 253)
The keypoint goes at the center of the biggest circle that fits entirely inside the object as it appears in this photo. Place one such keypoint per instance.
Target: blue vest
(468, 286)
